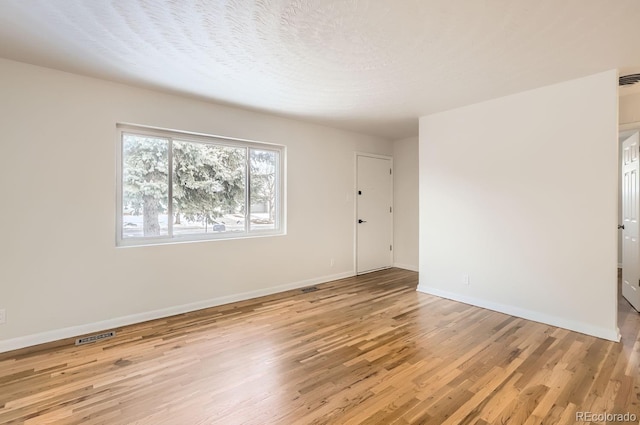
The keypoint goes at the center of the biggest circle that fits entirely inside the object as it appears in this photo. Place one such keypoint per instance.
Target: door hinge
(390, 171)
(390, 247)
(390, 209)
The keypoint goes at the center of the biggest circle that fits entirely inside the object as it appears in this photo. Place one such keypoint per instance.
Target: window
(176, 187)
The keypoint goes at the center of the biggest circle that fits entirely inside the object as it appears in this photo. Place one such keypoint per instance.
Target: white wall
(520, 194)
(405, 203)
(60, 272)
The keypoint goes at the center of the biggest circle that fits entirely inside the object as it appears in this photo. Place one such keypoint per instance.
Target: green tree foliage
(144, 177)
(208, 181)
(263, 179)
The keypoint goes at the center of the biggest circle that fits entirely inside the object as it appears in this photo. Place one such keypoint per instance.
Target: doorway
(374, 212)
(629, 211)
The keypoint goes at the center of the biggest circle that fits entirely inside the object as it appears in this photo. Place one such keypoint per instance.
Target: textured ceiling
(370, 66)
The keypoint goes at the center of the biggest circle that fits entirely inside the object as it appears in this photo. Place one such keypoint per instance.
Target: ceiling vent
(627, 80)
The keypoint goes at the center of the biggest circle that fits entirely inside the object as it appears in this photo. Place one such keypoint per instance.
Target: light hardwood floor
(368, 349)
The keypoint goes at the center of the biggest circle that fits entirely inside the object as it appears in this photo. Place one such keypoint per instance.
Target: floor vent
(94, 338)
(309, 289)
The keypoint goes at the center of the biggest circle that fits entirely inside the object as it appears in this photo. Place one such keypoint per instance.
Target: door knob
(620, 226)
(361, 221)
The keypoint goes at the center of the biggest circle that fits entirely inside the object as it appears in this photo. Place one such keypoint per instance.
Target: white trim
(74, 331)
(610, 334)
(374, 270)
(374, 155)
(164, 132)
(629, 126)
(406, 267)
(355, 213)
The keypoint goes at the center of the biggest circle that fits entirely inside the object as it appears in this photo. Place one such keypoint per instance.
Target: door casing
(630, 209)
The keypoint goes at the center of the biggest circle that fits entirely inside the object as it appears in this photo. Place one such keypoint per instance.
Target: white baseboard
(406, 267)
(74, 331)
(610, 334)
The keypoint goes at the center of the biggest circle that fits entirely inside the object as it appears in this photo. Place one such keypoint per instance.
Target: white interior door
(374, 227)
(630, 207)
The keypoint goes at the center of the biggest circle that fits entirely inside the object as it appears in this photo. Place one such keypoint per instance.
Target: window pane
(264, 187)
(208, 188)
(145, 170)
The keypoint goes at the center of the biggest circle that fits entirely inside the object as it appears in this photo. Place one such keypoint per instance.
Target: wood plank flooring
(363, 350)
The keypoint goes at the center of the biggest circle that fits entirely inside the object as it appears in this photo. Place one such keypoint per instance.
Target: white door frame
(355, 206)
(630, 126)
(630, 262)
(623, 128)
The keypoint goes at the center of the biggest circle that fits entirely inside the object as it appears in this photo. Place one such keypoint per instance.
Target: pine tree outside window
(178, 187)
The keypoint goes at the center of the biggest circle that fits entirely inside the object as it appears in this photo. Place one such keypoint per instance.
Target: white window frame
(171, 135)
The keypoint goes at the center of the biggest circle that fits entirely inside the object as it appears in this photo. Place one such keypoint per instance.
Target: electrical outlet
(3, 316)
(466, 279)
